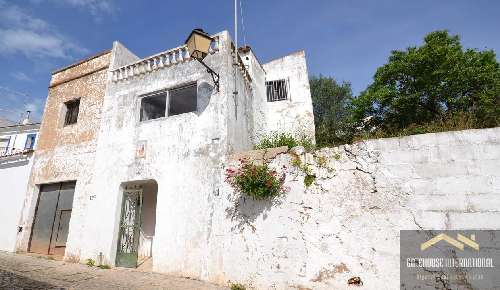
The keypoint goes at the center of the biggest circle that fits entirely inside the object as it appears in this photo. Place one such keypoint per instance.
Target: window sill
(168, 118)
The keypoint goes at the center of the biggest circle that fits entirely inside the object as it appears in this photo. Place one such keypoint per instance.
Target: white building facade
(134, 151)
(17, 145)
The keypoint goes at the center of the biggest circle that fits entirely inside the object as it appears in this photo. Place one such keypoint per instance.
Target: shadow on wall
(205, 91)
(18, 163)
(245, 210)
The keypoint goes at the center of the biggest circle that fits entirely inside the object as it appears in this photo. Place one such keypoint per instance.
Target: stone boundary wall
(347, 223)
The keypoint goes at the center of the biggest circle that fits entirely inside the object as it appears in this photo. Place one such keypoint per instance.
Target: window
(30, 141)
(176, 101)
(277, 90)
(153, 107)
(182, 100)
(72, 109)
(4, 145)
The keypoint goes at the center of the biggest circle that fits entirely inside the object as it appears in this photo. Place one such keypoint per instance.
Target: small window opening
(153, 107)
(277, 90)
(72, 109)
(182, 100)
(30, 141)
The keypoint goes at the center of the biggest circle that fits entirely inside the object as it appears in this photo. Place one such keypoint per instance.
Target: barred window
(72, 109)
(277, 90)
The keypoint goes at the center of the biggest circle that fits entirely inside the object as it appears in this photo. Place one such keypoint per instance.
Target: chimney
(27, 119)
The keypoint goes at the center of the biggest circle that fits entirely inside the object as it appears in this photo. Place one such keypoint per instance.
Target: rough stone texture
(67, 153)
(346, 224)
(26, 272)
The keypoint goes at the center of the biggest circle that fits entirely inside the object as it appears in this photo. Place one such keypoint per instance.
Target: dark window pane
(72, 109)
(153, 107)
(30, 141)
(182, 100)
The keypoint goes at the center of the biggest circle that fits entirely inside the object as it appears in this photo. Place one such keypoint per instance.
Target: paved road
(26, 272)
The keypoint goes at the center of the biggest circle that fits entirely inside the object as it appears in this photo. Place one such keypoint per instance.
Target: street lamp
(198, 44)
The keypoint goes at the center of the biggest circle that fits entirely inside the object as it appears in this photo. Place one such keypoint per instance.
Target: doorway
(52, 217)
(137, 224)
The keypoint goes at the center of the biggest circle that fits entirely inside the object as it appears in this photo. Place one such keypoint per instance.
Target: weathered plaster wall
(183, 155)
(15, 169)
(14, 175)
(259, 98)
(66, 153)
(294, 115)
(347, 223)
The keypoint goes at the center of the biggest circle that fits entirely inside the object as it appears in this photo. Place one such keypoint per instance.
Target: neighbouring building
(131, 152)
(17, 144)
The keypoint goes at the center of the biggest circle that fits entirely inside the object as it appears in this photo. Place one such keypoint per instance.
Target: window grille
(277, 90)
(72, 109)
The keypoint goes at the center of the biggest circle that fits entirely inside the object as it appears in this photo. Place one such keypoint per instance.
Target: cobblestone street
(27, 272)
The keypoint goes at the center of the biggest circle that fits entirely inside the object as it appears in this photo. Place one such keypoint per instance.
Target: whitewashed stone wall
(347, 222)
(294, 115)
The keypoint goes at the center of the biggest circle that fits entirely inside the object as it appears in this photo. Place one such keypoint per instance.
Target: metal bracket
(215, 76)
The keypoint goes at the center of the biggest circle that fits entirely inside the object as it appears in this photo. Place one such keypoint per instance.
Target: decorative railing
(158, 61)
(7, 152)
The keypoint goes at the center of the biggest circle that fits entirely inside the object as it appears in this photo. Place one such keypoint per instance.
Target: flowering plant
(256, 181)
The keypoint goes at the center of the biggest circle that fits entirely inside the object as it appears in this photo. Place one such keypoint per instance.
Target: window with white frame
(169, 103)
(277, 90)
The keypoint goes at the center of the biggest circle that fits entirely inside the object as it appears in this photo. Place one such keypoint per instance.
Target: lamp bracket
(215, 76)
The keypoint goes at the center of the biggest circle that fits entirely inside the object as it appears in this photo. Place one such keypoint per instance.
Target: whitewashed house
(129, 162)
(17, 145)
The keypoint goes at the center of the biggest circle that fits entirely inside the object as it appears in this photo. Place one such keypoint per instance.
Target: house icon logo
(458, 243)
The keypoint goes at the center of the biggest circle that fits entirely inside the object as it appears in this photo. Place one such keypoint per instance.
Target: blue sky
(344, 39)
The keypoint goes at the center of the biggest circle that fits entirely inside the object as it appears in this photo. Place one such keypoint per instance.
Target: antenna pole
(236, 24)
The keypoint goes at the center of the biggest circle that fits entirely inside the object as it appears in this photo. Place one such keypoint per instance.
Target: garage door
(52, 217)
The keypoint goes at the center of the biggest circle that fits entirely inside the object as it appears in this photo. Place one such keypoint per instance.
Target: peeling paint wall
(182, 154)
(294, 115)
(347, 222)
(66, 153)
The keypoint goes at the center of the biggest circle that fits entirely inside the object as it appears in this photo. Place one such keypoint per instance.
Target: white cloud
(96, 8)
(21, 76)
(14, 103)
(21, 33)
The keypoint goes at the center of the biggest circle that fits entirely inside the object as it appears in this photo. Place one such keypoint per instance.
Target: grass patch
(279, 139)
(238, 286)
(90, 262)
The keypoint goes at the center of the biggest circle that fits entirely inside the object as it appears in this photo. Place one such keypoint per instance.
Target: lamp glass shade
(198, 44)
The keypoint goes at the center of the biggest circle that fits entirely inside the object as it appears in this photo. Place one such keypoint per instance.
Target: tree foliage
(430, 83)
(331, 102)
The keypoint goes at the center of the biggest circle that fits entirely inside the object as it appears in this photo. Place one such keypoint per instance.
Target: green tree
(331, 102)
(432, 82)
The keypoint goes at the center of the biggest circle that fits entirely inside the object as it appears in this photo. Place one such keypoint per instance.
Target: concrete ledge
(259, 155)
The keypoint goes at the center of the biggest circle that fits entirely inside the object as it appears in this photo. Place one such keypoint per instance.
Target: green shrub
(309, 176)
(256, 181)
(238, 287)
(104, 267)
(90, 262)
(278, 139)
(309, 179)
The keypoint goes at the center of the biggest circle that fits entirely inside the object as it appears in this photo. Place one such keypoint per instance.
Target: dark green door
(128, 239)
